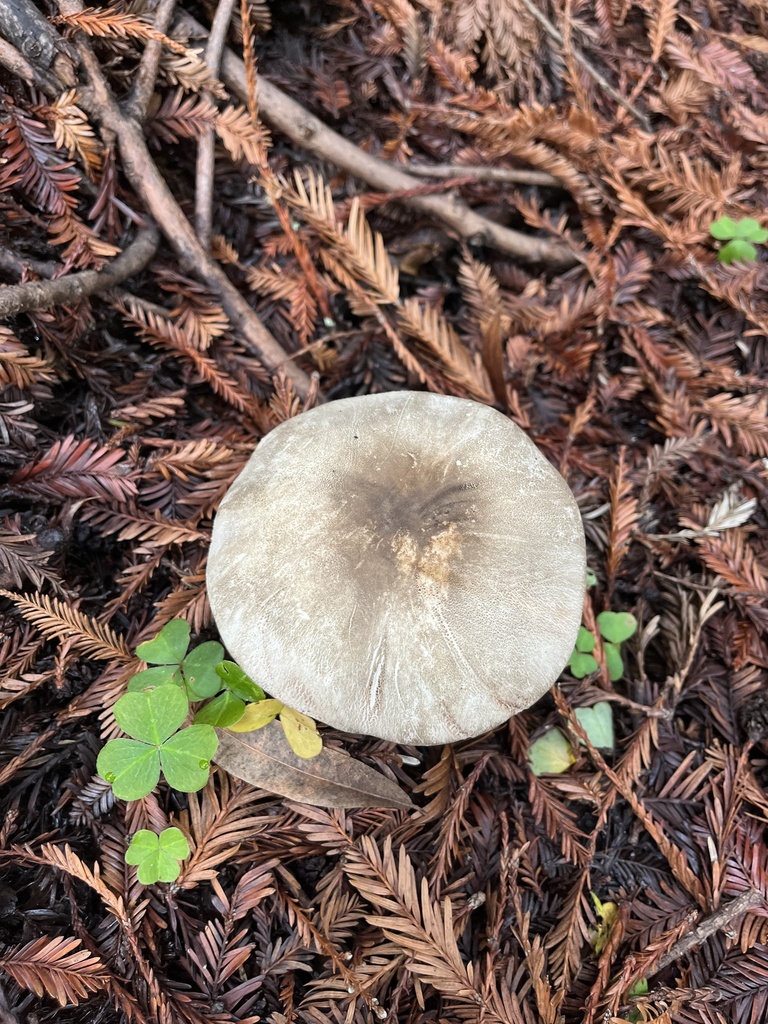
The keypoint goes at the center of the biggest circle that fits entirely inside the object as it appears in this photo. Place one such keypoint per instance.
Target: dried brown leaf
(332, 779)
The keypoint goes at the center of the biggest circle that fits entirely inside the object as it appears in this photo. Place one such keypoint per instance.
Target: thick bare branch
(207, 143)
(308, 131)
(144, 83)
(149, 184)
(21, 298)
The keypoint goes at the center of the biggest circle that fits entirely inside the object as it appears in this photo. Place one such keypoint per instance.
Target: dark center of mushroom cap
(418, 531)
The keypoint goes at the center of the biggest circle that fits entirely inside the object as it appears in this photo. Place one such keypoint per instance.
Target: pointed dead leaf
(332, 779)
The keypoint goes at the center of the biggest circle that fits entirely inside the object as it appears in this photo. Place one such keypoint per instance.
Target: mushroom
(406, 565)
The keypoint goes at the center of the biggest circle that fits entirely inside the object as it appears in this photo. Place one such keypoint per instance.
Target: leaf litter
(605, 159)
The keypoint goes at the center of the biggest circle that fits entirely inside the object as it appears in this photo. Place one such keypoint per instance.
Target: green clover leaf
(152, 715)
(597, 723)
(749, 229)
(173, 841)
(585, 641)
(582, 664)
(186, 757)
(724, 228)
(614, 661)
(157, 856)
(550, 754)
(131, 767)
(737, 249)
(238, 683)
(616, 626)
(169, 646)
(199, 668)
(162, 675)
(142, 845)
(740, 236)
(222, 711)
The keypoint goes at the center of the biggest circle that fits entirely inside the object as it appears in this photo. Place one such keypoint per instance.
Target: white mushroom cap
(405, 565)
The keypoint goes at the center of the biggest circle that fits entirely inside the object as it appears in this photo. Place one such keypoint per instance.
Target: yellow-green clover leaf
(550, 754)
(616, 627)
(301, 733)
(157, 856)
(300, 730)
(608, 914)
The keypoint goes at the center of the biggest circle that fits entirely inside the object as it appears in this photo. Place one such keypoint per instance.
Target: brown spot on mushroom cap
(405, 565)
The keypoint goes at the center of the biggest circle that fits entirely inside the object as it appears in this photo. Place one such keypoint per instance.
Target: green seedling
(615, 628)
(152, 714)
(582, 662)
(195, 672)
(157, 704)
(640, 988)
(741, 237)
(552, 754)
(153, 720)
(157, 856)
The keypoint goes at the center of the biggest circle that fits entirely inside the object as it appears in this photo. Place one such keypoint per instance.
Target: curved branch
(309, 132)
(204, 168)
(144, 82)
(510, 175)
(21, 298)
(148, 183)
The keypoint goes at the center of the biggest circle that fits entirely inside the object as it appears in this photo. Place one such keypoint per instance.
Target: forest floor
(503, 200)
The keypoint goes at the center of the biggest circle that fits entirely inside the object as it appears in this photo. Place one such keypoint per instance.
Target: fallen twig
(206, 143)
(18, 65)
(749, 900)
(511, 175)
(144, 83)
(21, 298)
(149, 184)
(308, 131)
(33, 36)
(13, 263)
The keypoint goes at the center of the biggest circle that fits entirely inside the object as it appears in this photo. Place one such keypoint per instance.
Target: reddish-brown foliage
(594, 145)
